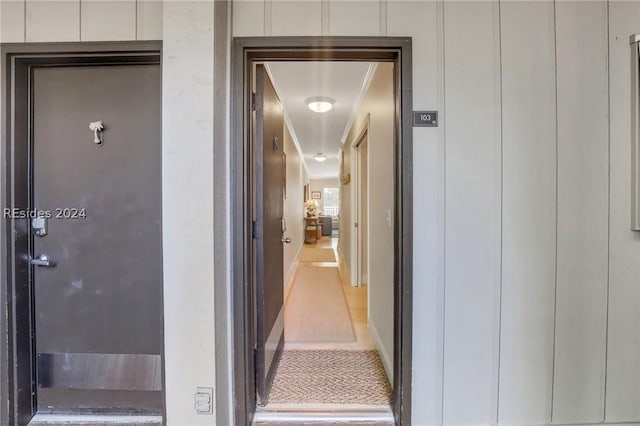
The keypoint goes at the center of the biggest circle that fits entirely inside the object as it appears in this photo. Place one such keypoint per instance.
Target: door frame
(357, 275)
(17, 354)
(245, 52)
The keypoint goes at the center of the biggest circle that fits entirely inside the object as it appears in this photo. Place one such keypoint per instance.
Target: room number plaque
(425, 118)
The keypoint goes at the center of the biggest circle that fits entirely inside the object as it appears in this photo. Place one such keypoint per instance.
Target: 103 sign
(425, 118)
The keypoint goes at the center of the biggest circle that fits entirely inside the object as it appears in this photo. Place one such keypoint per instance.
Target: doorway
(85, 267)
(249, 306)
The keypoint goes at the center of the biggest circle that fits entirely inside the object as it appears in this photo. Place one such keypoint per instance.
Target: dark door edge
(17, 358)
(244, 52)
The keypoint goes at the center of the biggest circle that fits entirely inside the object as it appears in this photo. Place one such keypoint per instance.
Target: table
(311, 229)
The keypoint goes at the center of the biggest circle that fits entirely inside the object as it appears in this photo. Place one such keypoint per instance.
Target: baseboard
(290, 275)
(343, 269)
(384, 356)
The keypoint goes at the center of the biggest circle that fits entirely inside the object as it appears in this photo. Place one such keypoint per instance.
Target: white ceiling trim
(287, 121)
(356, 105)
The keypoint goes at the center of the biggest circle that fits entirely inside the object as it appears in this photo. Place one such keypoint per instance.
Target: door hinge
(253, 229)
(253, 101)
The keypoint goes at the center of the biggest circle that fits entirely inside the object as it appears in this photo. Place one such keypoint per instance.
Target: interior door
(269, 229)
(97, 255)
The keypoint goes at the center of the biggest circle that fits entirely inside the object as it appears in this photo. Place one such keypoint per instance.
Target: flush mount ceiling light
(320, 103)
(320, 157)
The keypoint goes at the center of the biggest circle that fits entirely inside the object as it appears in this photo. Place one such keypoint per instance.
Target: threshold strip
(343, 416)
(90, 419)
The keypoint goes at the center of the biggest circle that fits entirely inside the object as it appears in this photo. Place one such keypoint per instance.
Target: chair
(325, 221)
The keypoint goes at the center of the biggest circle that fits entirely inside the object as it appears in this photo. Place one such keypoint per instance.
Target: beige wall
(293, 206)
(376, 117)
(346, 218)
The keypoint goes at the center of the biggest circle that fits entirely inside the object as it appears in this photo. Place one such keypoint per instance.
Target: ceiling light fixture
(320, 104)
(320, 157)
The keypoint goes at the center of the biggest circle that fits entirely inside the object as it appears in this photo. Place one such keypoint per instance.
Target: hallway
(314, 273)
(330, 361)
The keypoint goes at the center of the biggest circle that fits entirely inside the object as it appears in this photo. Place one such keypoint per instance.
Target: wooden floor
(356, 298)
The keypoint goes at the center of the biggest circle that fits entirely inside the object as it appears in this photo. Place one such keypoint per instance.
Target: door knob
(42, 260)
(286, 240)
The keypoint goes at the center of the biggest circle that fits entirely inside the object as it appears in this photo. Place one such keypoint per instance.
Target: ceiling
(320, 132)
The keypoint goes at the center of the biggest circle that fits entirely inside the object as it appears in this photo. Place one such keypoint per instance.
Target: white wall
(293, 207)
(623, 336)
(525, 271)
(188, 188)
(80, 20)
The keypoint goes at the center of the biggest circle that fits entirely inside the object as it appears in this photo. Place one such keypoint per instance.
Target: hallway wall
(376, 113)
(293, 206)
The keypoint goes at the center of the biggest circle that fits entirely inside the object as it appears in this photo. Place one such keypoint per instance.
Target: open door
(269, 226)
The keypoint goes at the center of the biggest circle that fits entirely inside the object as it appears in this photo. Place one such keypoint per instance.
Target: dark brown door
(97, 257)
(268, 215)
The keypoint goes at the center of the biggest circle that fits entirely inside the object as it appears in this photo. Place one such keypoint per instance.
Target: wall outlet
(203, 401)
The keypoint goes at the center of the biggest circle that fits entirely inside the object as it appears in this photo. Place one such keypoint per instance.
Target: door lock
(42, 260)
(39, 226)
(286, 240)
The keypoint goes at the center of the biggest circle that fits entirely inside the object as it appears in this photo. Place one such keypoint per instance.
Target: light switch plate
(203, 401)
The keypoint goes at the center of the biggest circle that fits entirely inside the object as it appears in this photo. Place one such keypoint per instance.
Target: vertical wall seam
(606, 329)
(555, 290)
(80, 20)
(268, 21)
(501, 226)
(444, 209)
(136, 35)
(24, 27)
(324, 17)
(382, 14)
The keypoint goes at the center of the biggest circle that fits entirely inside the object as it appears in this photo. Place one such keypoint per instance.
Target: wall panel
(149, 22)
(348, 18)
(623, 354)
(528, 212)
(108, 20)
(52, 21)
(12, 21)
(187, 176)
(247, 18)
(472, 263)
(423, 21)
(583, 135)
(302, 17)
